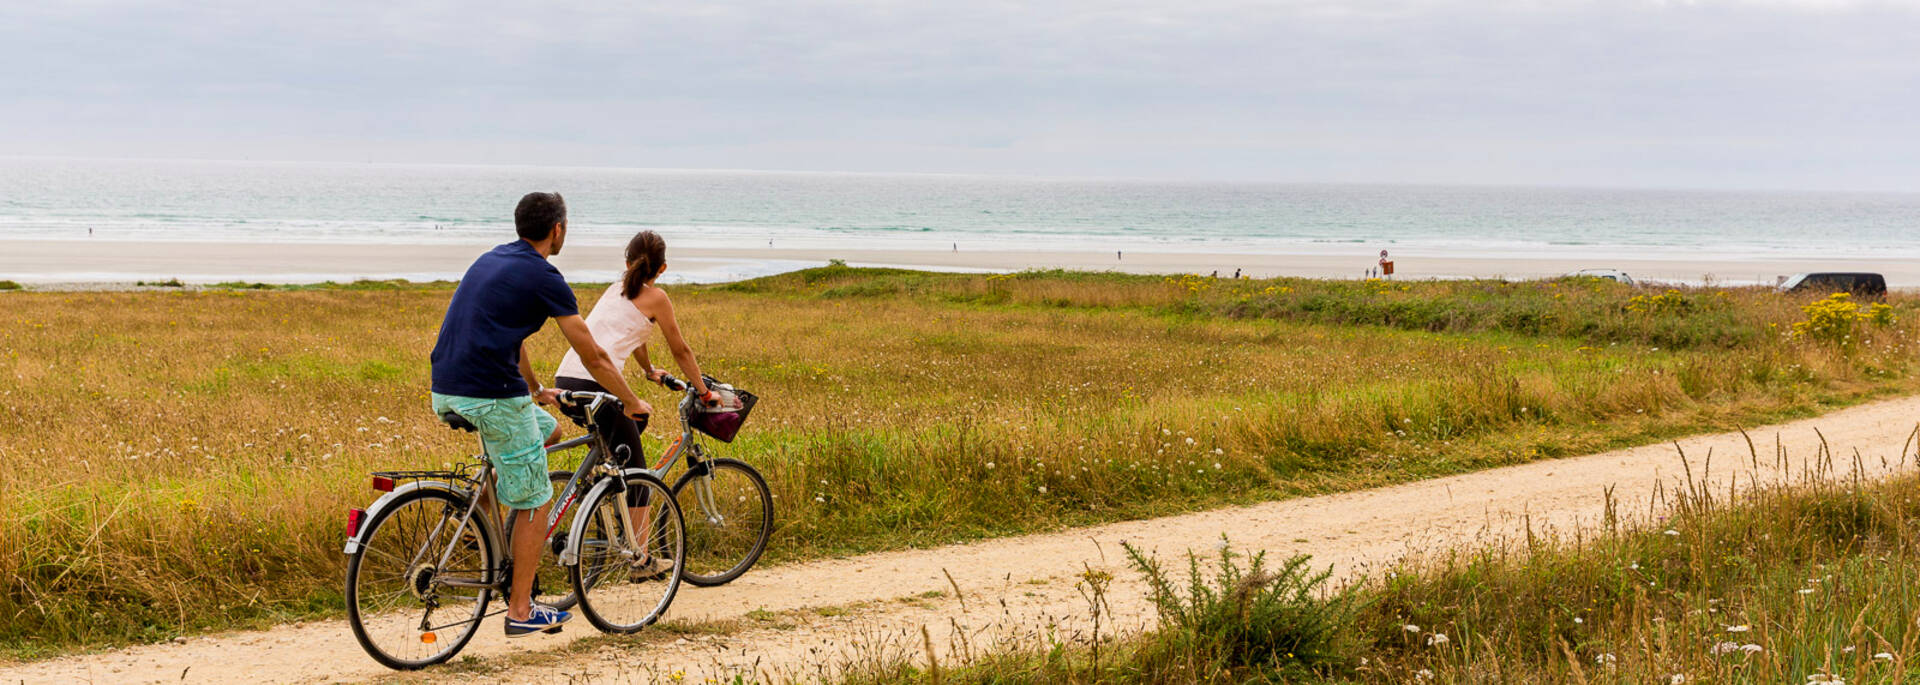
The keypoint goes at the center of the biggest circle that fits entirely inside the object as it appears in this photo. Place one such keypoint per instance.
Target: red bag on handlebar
(723, 425)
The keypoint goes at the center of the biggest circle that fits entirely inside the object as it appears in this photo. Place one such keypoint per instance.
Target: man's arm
(538, 390)
(600, 365)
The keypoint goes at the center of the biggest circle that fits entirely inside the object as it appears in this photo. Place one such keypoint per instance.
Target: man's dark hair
(537, 213)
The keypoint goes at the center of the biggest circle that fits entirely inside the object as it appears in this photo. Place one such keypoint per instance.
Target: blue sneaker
(544, 619)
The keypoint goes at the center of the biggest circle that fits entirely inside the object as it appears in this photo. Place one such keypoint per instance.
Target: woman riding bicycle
(621, 322)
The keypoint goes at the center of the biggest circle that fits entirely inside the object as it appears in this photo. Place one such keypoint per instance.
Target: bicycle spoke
(622, 589)
(395, 587)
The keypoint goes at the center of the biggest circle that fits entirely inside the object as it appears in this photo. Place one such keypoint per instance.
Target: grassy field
(1812, 584)
(177, 461)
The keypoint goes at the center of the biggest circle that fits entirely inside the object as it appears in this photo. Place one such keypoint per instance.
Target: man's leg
(527, 546)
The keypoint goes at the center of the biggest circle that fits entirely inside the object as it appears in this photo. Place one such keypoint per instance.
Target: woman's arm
(646, 365)
(657, 305)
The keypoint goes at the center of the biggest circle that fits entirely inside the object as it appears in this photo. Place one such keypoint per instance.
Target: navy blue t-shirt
(506, 296)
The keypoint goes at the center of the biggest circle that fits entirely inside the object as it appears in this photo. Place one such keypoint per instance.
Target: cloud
(1808, 93)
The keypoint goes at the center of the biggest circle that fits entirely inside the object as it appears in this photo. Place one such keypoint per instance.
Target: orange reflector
(428, 638)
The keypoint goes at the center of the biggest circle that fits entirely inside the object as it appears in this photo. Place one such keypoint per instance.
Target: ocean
(61, 199)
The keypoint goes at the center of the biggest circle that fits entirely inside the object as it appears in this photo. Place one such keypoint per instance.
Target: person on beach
(481, 372)
(621, 321)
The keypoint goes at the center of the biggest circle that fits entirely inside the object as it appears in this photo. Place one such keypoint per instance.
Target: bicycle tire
(400, 518)
(707, 545)
(603, 577)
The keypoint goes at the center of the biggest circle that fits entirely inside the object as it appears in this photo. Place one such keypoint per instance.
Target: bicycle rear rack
(391, 477)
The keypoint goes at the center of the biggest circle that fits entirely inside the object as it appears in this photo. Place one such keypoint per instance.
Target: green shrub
(9, 285)
(1253, 621)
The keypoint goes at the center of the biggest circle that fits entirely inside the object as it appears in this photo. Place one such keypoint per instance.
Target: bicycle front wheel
(402, 608)
(729, 514)
(625, 579)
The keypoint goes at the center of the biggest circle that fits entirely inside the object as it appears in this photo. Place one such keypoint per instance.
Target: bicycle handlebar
(587, 398)
(677, 385)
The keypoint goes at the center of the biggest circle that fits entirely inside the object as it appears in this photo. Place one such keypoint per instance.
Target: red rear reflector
(354, 518)
(383, 483)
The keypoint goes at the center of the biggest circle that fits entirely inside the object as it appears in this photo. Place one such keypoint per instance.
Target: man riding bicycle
(481, 372)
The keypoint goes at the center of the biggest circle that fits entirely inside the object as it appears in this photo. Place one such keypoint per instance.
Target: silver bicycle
(726, 502)
(424, 560)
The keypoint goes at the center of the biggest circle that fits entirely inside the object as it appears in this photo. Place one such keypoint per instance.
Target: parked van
(1861, 284)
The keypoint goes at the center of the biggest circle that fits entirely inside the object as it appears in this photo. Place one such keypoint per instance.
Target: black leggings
(621, 433)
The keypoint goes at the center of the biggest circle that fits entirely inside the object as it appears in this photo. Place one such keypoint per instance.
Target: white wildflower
(821, 500)
(989, 466)
(1676, 679)
(1725, 648)
(1804, 591)
(1739, 628)
(1578, 620)
(1423, 675)
(1437, 639)
(1886, 656)
(1669, 531)
(1751, 648)
(1411, 628)
(1605, 659)
(1043, 489)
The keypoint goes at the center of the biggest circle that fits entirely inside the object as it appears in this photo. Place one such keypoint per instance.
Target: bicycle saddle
(457, 422)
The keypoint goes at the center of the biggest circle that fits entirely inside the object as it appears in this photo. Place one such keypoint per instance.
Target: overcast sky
(1805, 94)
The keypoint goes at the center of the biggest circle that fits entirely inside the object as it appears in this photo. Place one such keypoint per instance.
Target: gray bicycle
(424, 560)
(726, 502)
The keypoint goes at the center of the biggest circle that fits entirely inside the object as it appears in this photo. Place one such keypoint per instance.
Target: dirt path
(812, 619)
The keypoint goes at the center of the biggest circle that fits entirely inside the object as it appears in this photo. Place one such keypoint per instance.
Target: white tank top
(617, 326)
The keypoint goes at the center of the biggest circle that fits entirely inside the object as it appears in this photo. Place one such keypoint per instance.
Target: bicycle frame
(479, 488)
(686, 445)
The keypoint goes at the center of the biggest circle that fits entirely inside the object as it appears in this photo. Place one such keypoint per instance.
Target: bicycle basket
(723, 425)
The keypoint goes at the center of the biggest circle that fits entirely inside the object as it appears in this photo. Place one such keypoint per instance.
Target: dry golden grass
(177, 461)
(1814, 580)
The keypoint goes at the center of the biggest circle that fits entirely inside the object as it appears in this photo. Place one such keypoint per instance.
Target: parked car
(1614, 275)
(1861, 284)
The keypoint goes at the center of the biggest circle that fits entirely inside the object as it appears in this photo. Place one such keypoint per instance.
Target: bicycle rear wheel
(402, 611)
(620, 591)
(729, 513)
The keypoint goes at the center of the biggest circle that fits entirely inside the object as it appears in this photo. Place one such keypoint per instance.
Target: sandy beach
(56, 264)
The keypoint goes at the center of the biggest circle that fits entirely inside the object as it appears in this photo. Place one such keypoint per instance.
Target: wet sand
(45, 264)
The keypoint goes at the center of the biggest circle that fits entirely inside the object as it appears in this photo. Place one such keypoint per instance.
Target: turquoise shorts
(515, 433)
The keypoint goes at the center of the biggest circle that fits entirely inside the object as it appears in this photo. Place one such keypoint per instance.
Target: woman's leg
(623, 437)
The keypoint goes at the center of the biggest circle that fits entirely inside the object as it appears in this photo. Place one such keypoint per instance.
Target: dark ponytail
(646, 256)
